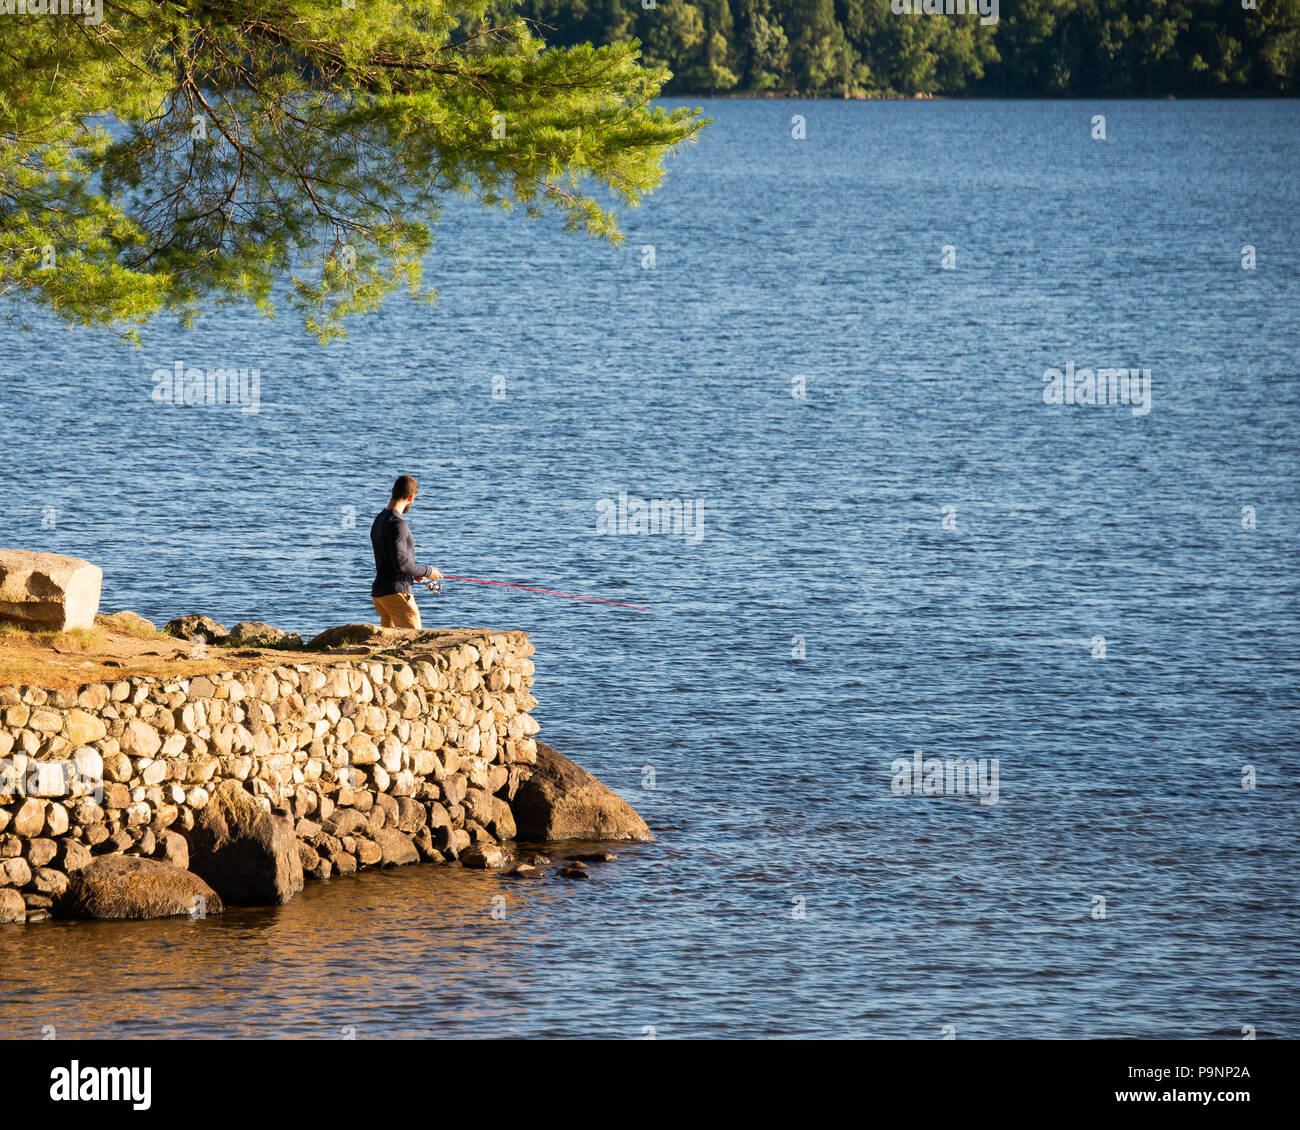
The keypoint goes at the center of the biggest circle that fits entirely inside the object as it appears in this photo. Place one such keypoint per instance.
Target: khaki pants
(397, 611)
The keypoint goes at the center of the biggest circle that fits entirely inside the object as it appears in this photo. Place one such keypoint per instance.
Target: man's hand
(433, 575)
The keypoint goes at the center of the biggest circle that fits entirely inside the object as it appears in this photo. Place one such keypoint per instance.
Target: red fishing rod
(433, 586)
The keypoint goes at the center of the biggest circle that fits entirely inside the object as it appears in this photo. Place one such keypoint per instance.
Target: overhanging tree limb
(177, 155)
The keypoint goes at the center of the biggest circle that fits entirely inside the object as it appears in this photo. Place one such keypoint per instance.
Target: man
(395, 567)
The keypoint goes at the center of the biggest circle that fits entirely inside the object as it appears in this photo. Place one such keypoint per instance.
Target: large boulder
(248, 854)
(47, 590)
(562, 801)
(125, 886)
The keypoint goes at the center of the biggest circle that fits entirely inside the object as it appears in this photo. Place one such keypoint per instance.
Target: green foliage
(1131, 48)
(178, 155)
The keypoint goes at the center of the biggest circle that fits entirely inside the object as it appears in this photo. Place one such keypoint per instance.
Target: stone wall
(370, 759)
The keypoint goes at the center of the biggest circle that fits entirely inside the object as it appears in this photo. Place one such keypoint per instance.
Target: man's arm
(406, 556)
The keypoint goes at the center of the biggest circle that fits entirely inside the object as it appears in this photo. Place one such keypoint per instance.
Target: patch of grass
(291, 644)
(128, 625)
(23, 635)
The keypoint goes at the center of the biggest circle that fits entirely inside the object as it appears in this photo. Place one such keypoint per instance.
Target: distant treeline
(1053, 48)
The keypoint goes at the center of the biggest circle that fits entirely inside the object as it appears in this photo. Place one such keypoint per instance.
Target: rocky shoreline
(152, 795)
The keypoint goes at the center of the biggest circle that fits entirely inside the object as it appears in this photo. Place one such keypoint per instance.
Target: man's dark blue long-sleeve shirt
(395, 567)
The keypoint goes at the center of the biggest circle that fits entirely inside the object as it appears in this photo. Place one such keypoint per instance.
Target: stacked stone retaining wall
(376, 759)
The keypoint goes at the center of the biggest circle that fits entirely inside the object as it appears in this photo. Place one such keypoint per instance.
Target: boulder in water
(247, 853)
(486, 857)
(125, 886)
(562, 801)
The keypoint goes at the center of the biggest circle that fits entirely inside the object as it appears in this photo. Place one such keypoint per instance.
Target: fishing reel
(433, 584)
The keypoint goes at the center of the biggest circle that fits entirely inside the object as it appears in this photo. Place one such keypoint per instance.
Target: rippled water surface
(789, 891)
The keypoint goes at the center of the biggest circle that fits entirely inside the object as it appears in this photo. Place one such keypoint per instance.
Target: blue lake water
(822, 621)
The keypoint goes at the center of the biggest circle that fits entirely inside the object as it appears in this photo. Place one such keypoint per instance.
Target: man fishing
(395, 567)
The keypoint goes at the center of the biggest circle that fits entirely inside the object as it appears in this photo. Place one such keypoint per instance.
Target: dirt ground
(116, 648)
(104, 656)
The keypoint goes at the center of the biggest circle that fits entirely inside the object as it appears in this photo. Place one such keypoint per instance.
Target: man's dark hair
(405, 487)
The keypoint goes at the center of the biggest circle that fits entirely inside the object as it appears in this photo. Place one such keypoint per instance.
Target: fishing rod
(434, 585)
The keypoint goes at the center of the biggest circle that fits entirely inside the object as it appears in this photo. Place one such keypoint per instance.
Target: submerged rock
(573, 871)
(123, 886)
(527, 871)
(592, 857)
(562, 801)
(248, 854)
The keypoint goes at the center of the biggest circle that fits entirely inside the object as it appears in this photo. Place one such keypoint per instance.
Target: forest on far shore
(862, 48)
